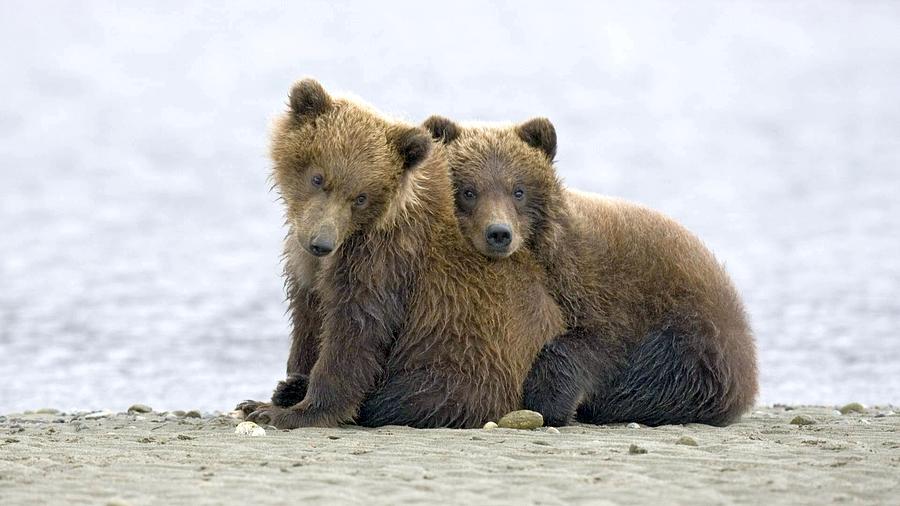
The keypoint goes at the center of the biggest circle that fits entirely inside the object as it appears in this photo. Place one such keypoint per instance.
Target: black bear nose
(321, 247)
(498, 236)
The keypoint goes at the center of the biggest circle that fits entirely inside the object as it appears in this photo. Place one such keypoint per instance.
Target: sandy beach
(151, 458)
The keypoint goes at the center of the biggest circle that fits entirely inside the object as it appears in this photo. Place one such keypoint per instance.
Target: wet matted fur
(396, 320)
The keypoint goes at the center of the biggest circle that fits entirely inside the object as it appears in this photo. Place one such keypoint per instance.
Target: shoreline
(147, 458)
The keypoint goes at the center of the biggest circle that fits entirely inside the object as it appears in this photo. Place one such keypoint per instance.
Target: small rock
(853, 407)
(636, 450)
(98, 415)
(193, 414)
(836, 412)
(687, 441)
(552, 430)
(140, 408)
(803, 420)
(522, 419)
(633, 425)
(46, 411)
(249, 429)
(185, 437)
(179, 413)
(490, 426)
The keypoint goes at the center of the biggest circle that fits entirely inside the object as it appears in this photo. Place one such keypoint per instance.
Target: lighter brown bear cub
(656, 332)
(395, 319)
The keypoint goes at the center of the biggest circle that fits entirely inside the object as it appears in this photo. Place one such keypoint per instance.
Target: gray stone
(853, 407)
(193, 414)
(803, 420)
(636, 450)
(687, 441)
(522, 419)
(98, 415)
(249, 429)
(490, 426)
(140, 408)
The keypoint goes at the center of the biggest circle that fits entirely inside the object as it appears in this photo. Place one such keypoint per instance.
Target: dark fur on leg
(564, 373)
(290, 391)
(667, 381)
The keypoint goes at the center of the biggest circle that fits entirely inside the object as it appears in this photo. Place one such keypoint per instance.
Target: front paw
(290, 391)
(249, 406)
(281, 418)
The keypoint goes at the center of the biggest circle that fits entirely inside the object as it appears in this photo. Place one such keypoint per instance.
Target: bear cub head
(507, 190)
(339, 166)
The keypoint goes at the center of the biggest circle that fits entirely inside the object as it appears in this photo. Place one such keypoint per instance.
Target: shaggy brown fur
(656, 331)
(412, 326)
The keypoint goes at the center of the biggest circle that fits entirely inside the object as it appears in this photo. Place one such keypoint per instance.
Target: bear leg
(565, 372)
(668, 380)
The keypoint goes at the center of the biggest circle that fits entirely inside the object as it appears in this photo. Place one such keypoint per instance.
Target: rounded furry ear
(442, 129)
(309, 99)
(413, 145)
(539, 133)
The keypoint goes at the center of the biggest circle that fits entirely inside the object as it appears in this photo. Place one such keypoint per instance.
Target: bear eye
(469, 194)
(361, 200)
(317, 180)
(519, 194)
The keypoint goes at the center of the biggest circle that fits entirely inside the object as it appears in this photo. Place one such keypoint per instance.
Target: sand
(156, 458)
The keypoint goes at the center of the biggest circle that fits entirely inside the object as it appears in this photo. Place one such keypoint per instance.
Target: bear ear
(539, 133)
(309, 99)
(442, 129)
(413, 145)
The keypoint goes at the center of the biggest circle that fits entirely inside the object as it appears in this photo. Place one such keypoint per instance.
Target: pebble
(633, 425)
(490, 426)
(836, 412)
(98, 415)
(552, 430)
(249, 429)
(140, 408)
(803, 420)
(687, 441)
(178, 413)
(193, 414)
(853, 407)
(522, 419)
(636, 450)
(47, 411)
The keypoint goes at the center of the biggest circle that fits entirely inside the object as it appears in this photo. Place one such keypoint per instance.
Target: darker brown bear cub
(656, 332)
(395, 319)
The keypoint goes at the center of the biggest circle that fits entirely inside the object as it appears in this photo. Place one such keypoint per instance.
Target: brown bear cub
(396, 320)
(656, 332)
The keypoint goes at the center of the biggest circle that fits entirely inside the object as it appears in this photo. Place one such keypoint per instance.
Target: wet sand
(154, 458)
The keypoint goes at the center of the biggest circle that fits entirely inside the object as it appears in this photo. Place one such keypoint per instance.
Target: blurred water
(139, 242)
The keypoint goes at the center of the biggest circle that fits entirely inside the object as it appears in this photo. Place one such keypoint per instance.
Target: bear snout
(321, 246)
(498, 236)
